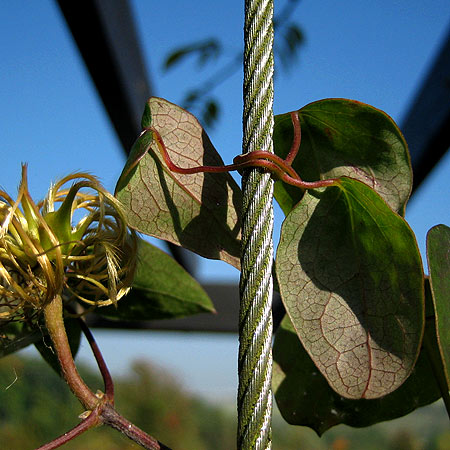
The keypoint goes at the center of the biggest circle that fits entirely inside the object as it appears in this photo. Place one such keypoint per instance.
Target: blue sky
(377, 52)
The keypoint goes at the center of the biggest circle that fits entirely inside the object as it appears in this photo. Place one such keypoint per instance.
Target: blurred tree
(35, 405)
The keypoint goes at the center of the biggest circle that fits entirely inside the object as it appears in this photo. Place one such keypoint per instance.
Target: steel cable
(255, 317)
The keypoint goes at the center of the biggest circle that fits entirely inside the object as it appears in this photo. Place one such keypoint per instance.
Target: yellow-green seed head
(75, 243)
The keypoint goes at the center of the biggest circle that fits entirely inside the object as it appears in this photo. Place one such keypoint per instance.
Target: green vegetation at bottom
(36, 406)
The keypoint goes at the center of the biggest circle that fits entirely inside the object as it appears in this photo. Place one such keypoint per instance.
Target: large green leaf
(305, 398)
(162, 289)
(351, 279)
(198, 211)
(438, 251)
(342, 137)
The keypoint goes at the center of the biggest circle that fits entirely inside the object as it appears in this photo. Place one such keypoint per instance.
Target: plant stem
(102, 408)
(53, 313)
(83, 426)
(107, 379)
(112, 418)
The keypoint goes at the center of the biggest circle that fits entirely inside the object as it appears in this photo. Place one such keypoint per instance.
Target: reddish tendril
(280, 168)
(297, 138)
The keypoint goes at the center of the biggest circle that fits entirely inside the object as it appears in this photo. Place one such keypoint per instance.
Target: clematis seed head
(75, 243)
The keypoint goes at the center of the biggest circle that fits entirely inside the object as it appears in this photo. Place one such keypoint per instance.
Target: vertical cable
(255, 317)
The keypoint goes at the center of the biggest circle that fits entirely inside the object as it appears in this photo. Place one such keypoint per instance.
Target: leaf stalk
(99, 407)
(280, 168)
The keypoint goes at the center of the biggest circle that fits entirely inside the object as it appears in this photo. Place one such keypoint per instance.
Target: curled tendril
(74, 243)
(281, 169)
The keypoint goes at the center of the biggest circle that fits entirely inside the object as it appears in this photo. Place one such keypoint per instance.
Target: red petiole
(280, 168)
(297, 139)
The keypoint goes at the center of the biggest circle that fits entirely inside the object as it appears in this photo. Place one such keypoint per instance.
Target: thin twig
(112, 418)
(101, 407)
(91, 421)
(106, 375)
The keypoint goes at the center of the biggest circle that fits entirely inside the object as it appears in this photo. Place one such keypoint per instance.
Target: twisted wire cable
(255, 316)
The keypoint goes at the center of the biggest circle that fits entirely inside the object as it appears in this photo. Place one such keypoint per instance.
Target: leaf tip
(146, 120)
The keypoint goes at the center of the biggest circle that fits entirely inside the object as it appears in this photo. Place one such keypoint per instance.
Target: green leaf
(15, 336)
(45, 346)
(200, 212)
(162, 289)
(438, 252)
(351, 279)
(342, 137)
(305, 398)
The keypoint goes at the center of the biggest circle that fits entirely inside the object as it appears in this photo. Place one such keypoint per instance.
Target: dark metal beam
(427, 124)
(226, 302)
(106, 37)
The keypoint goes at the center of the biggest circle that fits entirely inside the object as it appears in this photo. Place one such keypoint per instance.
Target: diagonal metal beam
(105, 34)
(427, 124)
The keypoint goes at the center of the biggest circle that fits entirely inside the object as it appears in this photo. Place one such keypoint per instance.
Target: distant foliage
(157, 402)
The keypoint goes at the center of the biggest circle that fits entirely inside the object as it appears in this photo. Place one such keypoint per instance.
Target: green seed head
(75, 243)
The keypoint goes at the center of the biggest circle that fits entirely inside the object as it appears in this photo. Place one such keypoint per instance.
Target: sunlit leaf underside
(351, 279)
(197, 211)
